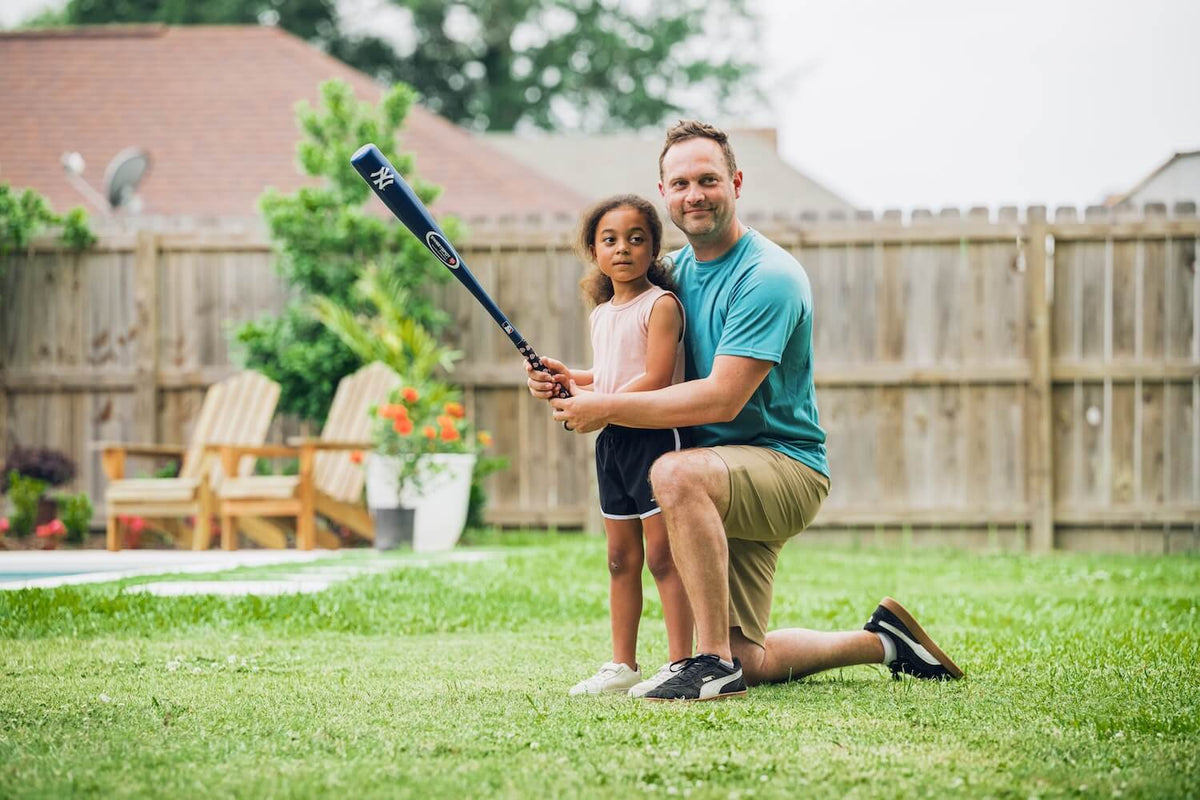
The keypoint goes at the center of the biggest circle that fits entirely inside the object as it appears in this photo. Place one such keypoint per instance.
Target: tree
(325, 238)
(25, 215)
(503, 64)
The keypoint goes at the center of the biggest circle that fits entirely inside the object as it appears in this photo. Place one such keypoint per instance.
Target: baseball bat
(402, 201)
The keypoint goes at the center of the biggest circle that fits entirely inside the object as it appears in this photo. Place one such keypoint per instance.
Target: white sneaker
(657, 679)
(612, 678)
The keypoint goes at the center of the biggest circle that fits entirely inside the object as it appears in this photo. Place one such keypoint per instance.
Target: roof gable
(604, 165)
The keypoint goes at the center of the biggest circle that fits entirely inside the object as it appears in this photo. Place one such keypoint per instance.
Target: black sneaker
(701, 677)
(916, 653)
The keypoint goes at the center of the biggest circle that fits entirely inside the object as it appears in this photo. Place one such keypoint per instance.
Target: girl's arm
(583, 377)
(662, 345)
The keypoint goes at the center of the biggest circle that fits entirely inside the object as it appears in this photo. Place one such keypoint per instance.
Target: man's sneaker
(916, 653)
(665, 672)
(612, 678)
(701, 677)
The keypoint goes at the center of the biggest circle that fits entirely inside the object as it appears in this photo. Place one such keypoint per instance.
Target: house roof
(603, 165)
(1133, 194)
(215, 108)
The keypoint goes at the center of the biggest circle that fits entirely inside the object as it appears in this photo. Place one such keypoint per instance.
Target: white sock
(889, 648)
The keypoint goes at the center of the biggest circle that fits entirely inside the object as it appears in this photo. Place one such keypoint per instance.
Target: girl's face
(622, 247)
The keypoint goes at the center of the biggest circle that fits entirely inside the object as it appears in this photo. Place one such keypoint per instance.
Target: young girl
(637, 330)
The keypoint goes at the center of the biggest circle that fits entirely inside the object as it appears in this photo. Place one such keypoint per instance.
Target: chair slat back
(242, 415)
(202, 432)
(334, 474)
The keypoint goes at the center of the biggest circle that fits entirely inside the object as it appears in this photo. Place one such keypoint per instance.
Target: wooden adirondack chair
(237, 410)
(330, 483)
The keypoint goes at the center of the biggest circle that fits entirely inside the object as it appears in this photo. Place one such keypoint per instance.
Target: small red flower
(484, 438)
(445, 421)
(403, 426)
(429, 431)
(356, 456)
(410, 395)
(455, 410)
(4, 525)
(450, 435)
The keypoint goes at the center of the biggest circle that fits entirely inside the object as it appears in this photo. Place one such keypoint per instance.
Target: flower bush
(51, 532)
(416, 423)
(52, 467)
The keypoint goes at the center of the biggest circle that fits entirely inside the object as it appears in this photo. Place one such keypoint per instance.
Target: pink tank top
(619, 335)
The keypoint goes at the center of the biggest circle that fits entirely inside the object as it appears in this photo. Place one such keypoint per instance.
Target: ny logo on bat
(382, 178)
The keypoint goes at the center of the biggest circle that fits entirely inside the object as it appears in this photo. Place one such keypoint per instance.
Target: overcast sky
(950, 102)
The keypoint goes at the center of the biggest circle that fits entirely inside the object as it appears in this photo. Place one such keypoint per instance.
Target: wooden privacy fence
(984, 381)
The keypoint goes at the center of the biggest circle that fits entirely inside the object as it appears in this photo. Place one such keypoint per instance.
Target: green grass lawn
(1083, 680)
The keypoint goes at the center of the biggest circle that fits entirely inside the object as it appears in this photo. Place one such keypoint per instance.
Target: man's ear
(661, 190)
(737, 184)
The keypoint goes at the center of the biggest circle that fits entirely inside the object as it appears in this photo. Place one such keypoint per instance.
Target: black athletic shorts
(623, 459)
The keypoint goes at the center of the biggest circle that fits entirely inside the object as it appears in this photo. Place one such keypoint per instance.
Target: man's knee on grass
(751, 655)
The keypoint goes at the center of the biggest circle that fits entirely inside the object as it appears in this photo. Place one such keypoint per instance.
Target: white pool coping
(99, 566)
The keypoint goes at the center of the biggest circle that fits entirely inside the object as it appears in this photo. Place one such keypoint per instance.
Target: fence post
(145, 307)
(1040, 400)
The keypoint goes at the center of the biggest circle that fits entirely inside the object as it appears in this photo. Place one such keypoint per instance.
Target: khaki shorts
(772, 497)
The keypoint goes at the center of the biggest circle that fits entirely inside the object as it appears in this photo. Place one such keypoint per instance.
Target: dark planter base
(47, 510)
(394, 527)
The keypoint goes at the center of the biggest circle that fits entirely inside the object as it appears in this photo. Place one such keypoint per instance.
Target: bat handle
(536, 363)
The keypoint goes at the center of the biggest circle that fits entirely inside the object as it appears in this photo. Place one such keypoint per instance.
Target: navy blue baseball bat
(402, 201)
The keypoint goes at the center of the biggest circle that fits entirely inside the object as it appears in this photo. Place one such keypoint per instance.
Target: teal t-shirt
(755, 301)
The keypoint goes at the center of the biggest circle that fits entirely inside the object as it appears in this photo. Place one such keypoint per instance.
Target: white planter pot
(441, 505)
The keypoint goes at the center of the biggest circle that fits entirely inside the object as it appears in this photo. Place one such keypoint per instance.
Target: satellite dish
(123, 175)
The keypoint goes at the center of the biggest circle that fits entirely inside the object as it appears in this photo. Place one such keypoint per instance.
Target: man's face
(699, 190)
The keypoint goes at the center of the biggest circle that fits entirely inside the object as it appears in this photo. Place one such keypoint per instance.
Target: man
(758, 472)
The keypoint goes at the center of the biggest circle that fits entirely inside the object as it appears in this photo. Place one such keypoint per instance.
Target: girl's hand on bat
(541, 384)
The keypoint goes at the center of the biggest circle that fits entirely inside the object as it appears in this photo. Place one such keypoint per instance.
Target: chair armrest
(261, 450)
(141, 449)
(322, 444)
(113, 454)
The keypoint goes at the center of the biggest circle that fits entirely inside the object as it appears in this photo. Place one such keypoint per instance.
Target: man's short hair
(695, 129)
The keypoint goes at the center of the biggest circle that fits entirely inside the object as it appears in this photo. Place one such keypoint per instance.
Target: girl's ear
(592, 251)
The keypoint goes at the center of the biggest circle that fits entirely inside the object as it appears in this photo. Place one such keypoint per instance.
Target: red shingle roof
(215, 107)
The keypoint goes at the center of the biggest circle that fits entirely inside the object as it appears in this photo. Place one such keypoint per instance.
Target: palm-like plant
(387, 333)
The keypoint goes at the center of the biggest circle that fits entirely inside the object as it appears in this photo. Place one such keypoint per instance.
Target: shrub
(24, 492)
(75, 511)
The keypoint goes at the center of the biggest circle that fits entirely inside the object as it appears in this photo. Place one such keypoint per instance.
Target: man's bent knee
(679, 476)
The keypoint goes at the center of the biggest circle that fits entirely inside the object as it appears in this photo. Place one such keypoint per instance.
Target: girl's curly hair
(597, 286)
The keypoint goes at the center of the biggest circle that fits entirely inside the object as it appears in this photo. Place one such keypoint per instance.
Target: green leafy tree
(502, 64)
(325, 235)
(25, 215)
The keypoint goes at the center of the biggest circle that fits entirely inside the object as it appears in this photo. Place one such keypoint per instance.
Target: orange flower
(403, 426)
(392, 411)
(484, 438)
(445, 421)
(410, 394)
(455, 410)
(429, 432)
(449, 434)
(356, 456)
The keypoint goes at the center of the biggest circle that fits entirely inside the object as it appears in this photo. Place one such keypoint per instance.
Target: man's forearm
(698, 402)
